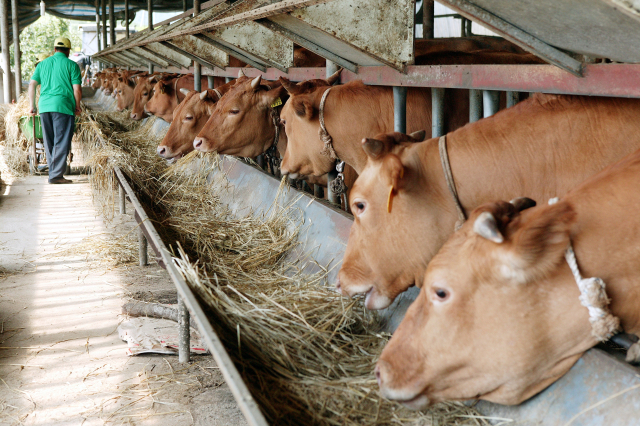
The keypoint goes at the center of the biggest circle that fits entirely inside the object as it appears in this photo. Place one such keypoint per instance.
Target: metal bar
(318, 191)
(188, 12)
(232, 377)
(104, 25)
(150, 12)
(512, 98)
(333, 174)
(517, 36)
(142, 248)
(437, 112)
(132, 58)
(126, 18)
(228, 79)
(427, 19)
(184, 5)
(4, 41)
(197, 60)
(164, 58)
(210, 81)
(301, 41)
(260, 161)
(98, 25)
(490, 102)
(121, 197)
(112, 23)
(150, 67)
(475, 105)
(284, 6)
(231, 52)
(400, 109)
(184, 332)
(16, 47)
(197, 66)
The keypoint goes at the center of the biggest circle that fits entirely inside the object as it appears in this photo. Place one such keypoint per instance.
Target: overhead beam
(161, 56)
(516, 35)
(236, 54)
(150, 57)
(187, 54)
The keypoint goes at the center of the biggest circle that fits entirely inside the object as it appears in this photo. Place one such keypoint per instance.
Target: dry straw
(306, 353)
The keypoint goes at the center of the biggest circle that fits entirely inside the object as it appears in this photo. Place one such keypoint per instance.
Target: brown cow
(351, 112)
(189, 118)
(166, 95)
(97, 82)
(498, 317)
(125, 86)
(542, 147)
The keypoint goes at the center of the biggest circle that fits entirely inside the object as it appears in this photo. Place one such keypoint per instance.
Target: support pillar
(475, 105)
(491, 102)
(98, 37)
(142, 248)
(150, 12)
(126, 18)
(104, 24)
(228, 79)
(16, 47)
(427, 19)
(197, 68)
(332, 67)
(260, 161)
(400, 109)
(512, 98)
(210, 81)
(112, 23)
(184, 5)
(184, 332)
(437, 112)
(4, 41)
(318, 192)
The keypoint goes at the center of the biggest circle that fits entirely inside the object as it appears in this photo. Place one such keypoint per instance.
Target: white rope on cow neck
(448, 176)
(325, 137)
(593, 296)
(217, 92)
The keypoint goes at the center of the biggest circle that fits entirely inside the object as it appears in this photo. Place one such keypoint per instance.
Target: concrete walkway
(61, 360)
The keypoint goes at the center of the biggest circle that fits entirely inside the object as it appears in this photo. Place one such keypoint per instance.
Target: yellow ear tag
(390, 200)
(276, 103)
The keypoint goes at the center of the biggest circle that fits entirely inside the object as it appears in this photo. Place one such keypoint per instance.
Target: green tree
(39, 37)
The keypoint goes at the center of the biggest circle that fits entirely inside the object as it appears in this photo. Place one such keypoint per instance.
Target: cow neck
(448, 176)
(325, 137)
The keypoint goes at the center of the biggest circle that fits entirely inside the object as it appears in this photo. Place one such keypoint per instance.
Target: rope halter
(325, 137)
(593, 296)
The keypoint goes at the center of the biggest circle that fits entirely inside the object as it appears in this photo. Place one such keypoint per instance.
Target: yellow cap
(62, 42)
(42, 56)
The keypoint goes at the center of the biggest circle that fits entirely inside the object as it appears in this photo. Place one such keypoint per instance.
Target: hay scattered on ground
(306, 353)
(106, 248)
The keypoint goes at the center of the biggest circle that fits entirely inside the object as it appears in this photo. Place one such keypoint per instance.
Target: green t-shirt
(57, 74)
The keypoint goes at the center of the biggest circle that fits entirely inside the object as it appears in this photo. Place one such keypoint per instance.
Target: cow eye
(440, 294)
(188, 117)
(145, 93)
(234, 111)
(358, 207)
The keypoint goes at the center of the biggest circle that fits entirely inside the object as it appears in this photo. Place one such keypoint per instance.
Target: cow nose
(197, 143)
(378, 375)
(338, 286)
(162, 151)
(134, 115)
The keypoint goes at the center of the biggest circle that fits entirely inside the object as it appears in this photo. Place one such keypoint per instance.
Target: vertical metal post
(475, 105)
(184, 5)
(142, 248)
(463, 27)
(400, 109)
(512, 98)
(184, 332)
(16, 47)
(333, 174)
(197, 68)
(104, 24)
(469, 24)
(427, 19)
(150, 12)
(318, 192)
(126, 18)
(98, 28)
(228, 79)
(437, 111)
(491, 102)
(150, 68)
(260, 161)
(112, 23)
(210, 81)
(4, 41)
(123, 204)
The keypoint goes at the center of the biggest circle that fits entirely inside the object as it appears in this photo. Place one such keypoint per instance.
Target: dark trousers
(57, 131)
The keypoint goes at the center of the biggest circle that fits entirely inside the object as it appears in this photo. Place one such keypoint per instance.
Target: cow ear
(373, 147)
(274, 97)
(303, 107)
(290, 87)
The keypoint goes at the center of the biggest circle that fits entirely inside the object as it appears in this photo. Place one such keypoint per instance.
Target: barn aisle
(61, 360)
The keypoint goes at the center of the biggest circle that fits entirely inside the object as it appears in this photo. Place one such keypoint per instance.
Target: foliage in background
(39, 37)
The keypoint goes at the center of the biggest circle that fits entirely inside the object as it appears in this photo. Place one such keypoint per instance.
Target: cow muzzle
(164, 151)
(411, 399)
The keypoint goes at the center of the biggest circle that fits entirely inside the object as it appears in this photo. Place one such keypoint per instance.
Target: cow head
(498, 317)
(301, 121)
(388, 192)
(107, 84)
(188, 119)
(97, 83)
(125, 85)
(241, 123)
(142, 92)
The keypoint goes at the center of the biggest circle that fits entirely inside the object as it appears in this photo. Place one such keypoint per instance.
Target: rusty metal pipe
(184, 333)
(512, 98)
(437, 112)
(210, 81)
(400, 109)
(427, 19)
(490, 102)
(475, 105)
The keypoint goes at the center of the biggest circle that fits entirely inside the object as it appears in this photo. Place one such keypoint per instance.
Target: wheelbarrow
(37, 156)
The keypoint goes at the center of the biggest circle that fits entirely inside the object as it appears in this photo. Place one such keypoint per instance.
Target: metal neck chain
(338, 186)
(272, 155)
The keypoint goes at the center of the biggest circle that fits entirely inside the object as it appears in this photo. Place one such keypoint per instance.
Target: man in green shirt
(60, 97)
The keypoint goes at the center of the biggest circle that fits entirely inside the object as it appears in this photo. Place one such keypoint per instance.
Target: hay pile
(306, 353)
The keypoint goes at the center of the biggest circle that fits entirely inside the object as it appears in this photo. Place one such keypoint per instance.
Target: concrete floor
(61, 360)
